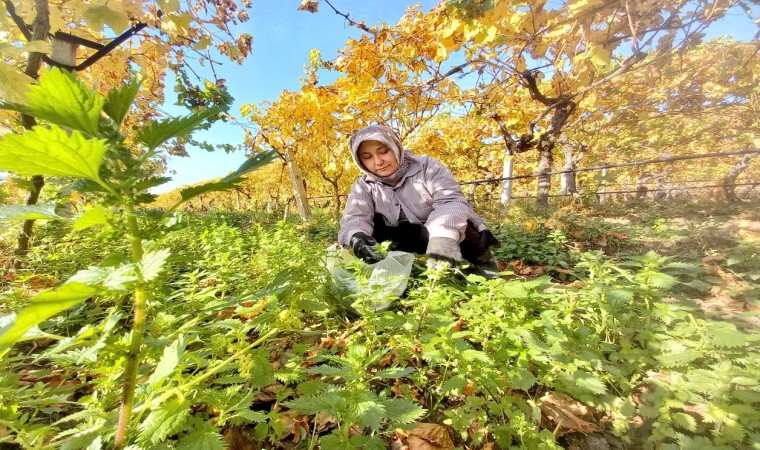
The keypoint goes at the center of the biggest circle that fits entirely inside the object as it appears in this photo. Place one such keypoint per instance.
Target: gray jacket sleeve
(359, 213)
(450, 207)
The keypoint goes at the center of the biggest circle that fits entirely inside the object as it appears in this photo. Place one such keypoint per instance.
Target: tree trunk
(299, 187)
(507, 169)
(730, 179)
(568, 180)
(40, 31)
(545, 161)
(603, 187)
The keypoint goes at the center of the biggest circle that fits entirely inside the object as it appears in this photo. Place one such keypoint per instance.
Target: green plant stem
(211, 372)
(138, 328)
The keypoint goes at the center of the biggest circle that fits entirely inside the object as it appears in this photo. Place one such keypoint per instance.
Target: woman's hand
(361, 246)
(443, 251)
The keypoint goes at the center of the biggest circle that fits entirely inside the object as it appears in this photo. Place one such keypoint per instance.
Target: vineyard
(626, 314)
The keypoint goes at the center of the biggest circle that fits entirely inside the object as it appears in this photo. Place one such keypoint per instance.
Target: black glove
(443, 251)
(487, 240)
(361, 246)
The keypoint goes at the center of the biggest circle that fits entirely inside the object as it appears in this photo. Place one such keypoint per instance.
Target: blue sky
(282, 40)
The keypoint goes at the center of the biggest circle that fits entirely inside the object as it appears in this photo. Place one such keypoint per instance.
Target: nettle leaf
(521, 378)
(330, 371)
(53, 152)
(329, 402)
(166, 420)
(119, 101)
(255, 162)
(91, 217)
(395, 372)
(402, 411)
(727, 337)
(61, 98)
(588, 382)
(661, 280)
(369, 412)
(230, 181)
(108, 277)
(453, 384)
(153, 263)
(159, 132)
(684, 421)
(43, 306)
(169, 361)
(28, 212)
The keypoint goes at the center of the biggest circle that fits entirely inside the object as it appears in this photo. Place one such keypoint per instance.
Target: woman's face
(377, 158)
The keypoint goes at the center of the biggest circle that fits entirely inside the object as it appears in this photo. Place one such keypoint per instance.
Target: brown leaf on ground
(238, 438)
(430, 436)
(521, 268)
(268, 393)
(563, 414)
(323, 421)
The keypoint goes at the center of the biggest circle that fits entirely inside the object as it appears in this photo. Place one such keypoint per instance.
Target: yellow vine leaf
(168, 6)
(175, 24)
(202, 44)
(599, 55)
(98, 16)
(13, 83)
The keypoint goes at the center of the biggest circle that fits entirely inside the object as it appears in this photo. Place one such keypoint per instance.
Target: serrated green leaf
(521, 378)
(230, 181)
(329, 402)
(152, 263)
(52, 151)
(159, 132)
(684, 421)
(169, 360)
(475, 355)
(255, 162)
(119, 101)
(111, 278)
(661, 280)
(62, 99)
(202, 440)
(588, 382)
(676, 354)
(167, 419)
(369, 413)
(330, 371)
(395, 372)
(453, 384)
(727, 337)
(147, 183)
(401, 411)
(91, 217)
(43, 306)
(191, 192)
(620, 295)
(252, 416)
(28, 212)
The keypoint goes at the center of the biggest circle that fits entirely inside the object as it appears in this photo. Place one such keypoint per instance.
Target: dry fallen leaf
(430, 436)
(564, 414)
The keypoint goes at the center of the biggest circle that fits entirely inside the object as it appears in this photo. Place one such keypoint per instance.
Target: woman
(413, 201)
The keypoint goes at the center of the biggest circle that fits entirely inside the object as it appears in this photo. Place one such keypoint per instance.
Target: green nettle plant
(81, 139)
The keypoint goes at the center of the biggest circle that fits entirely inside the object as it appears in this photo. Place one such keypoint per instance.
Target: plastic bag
(377, 286)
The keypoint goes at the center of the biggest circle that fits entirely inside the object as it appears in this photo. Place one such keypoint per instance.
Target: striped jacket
(428, 193)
